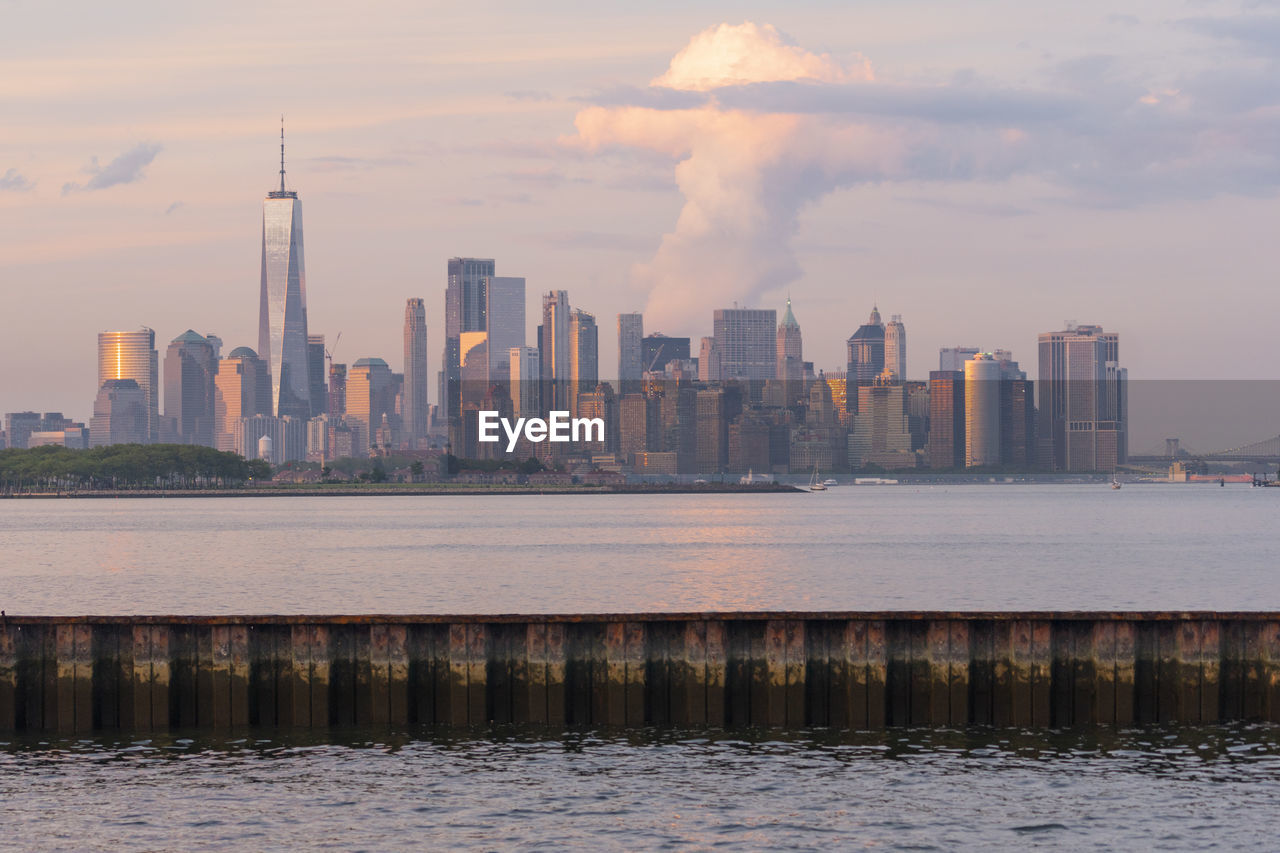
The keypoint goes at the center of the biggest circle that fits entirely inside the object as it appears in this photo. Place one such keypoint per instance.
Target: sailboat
(816, 484)
(1115, 483)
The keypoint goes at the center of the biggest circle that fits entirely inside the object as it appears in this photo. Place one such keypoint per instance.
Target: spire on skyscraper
(281, 153)
(789, 319)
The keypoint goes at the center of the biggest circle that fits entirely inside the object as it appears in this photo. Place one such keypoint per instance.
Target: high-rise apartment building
(630, 351)
(895, 347)
(790, 348)
(465, 308)
(981, 411)
(584, 356)
(747, 339)
(132, 355)
(282, 309)
(189, 369)
(1082, 399)
(416, 407)
(504, 323)
(316, 375)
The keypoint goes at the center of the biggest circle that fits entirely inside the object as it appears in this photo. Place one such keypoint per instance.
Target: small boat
(830, 482)
(1115, 484)
(816, 485)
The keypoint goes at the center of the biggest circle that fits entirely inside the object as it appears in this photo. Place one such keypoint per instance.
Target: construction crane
(328, 352)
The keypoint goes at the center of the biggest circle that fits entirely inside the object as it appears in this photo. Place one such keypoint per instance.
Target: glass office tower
(282, 314)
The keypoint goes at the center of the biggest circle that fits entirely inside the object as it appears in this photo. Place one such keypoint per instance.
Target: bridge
(1266, 452)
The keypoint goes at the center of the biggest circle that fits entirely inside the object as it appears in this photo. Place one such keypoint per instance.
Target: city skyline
(492, 162)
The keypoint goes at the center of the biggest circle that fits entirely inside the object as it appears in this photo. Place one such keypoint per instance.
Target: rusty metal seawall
(844, 670)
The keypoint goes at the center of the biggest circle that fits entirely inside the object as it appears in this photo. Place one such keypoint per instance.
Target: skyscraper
(584, 356)
(465, 306)
(981, 411)
(656, 350)
(953, 358)
(282, 311)
(630, 334)
(189, 368)
(120, 414)
(790, 348)
(132, 355)
(504, 322)
(748, 342)
(946, 419)
(416, 409)
(241, 389)
(553, 345)
(525, 381)
(1083, 401)
(337, 390)
(315, 375)
(895, 347)
(710, 361)
(866, 354)
(368, 383)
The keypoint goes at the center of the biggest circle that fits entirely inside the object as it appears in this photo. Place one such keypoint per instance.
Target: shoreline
(413, 490)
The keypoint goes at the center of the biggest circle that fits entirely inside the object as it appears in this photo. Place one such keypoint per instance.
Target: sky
(989, 172)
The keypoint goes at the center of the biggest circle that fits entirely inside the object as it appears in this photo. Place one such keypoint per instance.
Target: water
(1166, 789)
(963, 548)
(1006, 547)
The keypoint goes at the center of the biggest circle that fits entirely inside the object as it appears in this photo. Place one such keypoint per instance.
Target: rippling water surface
(887, 547)
(1188, 788)
(1005, 547)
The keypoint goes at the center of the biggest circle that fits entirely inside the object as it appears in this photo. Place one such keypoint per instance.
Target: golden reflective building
(133, 355)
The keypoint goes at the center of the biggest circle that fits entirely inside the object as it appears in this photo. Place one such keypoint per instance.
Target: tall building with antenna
(282, 312)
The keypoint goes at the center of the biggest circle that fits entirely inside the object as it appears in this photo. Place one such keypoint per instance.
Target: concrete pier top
(672, 616)
(845, 670)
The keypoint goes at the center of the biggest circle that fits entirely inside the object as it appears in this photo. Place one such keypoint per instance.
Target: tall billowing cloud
(125, 169)
(759, 128)
(745, 173)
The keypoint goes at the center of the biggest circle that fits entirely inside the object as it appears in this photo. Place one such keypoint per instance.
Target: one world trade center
(282, 317)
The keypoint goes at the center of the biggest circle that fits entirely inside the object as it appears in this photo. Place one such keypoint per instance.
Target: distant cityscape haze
(141, 141)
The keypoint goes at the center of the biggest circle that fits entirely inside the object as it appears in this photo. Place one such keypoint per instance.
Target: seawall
(843, 670)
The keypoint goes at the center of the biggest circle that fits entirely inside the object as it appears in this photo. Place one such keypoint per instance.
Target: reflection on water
(500, 788)
(963, 548)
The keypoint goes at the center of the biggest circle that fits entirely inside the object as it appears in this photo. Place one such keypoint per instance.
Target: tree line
(126, 466)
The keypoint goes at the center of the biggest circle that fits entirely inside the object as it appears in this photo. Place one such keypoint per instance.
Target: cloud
(15, 181)
(530, 95)
(577, 240)
(759, 128)
(339, 163)
(544, 178)
(125, 169)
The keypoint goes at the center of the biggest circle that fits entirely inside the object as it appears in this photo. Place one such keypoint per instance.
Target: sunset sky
(988, 172)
